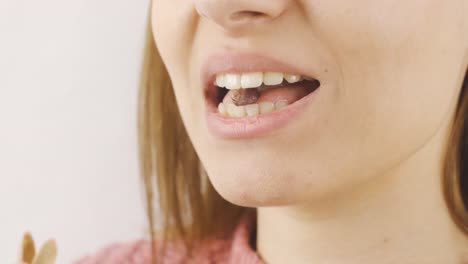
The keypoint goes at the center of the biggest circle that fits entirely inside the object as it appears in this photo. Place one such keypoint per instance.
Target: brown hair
(455, 170)
(189, 207)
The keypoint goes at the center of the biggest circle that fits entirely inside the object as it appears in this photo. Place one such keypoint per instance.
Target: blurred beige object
(46, 254)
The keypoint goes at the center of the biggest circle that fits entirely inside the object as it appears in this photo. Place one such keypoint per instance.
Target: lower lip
(256, 126)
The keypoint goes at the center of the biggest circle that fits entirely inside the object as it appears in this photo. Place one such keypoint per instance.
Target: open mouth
(251, 94)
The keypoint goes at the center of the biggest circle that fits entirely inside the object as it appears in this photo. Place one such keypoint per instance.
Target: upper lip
(234, 62)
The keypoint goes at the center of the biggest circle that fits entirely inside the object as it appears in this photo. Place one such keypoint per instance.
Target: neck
(399, 217)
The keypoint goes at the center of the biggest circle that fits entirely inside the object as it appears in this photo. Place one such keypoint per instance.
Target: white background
(68, 97)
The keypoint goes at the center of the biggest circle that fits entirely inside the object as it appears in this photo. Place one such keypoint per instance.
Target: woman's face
(390, 72)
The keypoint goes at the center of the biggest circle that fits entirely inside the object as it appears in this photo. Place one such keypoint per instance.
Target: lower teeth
(232, 110)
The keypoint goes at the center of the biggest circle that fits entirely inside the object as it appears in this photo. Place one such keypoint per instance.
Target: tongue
(289, 93)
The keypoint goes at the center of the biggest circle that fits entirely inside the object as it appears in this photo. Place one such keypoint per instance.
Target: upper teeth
(254, 79)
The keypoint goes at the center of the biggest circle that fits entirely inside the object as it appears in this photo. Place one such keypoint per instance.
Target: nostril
(247, 15)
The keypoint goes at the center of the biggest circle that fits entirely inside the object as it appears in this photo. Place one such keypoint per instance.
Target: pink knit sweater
(233, 250)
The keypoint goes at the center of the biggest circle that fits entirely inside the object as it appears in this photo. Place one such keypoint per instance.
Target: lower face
(389, 73)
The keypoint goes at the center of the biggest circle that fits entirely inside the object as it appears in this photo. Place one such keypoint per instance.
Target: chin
(256, 188)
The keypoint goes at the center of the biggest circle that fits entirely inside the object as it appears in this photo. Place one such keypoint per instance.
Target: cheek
(173, 25)
(395, 75)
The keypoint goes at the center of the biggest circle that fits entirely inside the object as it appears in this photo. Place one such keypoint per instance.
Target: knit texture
(232, 250)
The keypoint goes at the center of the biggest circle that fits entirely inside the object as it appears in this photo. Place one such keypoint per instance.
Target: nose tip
(236, 14)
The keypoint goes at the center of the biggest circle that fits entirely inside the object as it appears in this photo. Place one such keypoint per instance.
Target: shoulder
(231, 247)
(139, 252)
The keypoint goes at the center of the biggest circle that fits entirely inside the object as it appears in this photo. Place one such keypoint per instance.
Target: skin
(356, 178)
